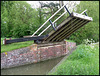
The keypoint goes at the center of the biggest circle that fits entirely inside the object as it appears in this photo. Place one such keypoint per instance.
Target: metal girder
(39, 38)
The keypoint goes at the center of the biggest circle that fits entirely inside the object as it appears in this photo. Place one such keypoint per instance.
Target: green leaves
(18, 18)
(83, 61)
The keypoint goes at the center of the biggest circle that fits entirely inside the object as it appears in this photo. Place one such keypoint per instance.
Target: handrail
(52, 22)
(56, 20)
(48, 19)
(84, 11)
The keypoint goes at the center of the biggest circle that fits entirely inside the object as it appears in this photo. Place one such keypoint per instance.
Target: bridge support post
(4, 41)
(67, 10)
(52, 24)
(85, 13)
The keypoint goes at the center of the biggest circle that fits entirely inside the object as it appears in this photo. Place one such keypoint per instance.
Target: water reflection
(40, 68)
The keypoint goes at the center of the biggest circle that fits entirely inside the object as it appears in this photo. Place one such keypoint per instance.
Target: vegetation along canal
(41, 68)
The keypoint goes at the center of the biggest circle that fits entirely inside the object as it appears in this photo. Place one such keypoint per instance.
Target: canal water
(41, 68)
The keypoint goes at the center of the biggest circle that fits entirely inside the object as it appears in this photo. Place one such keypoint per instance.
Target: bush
(83, 61)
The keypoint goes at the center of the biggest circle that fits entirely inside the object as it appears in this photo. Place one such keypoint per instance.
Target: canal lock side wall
(35, 53)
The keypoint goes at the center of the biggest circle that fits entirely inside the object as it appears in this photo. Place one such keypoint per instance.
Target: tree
(18, 19)
(61, 3)
(47, 10)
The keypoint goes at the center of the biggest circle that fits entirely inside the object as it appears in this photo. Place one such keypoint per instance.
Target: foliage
(90, 30)
(70, 41)
(47, 10)
(18, 19)
(86, 41)
(83, 61)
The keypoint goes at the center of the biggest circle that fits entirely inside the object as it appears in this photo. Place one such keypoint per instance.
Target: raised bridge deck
(67, 27)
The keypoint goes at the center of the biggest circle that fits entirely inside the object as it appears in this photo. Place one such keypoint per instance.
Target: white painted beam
(82, 16)
(84, 11)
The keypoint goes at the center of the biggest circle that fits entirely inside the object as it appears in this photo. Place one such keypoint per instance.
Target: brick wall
(35, 53)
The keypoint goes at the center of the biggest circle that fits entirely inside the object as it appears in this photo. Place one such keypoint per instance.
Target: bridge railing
(52, 23)
(50, 19)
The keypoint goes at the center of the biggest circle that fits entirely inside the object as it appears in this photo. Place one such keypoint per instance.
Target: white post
(3, 41)
(48, 20)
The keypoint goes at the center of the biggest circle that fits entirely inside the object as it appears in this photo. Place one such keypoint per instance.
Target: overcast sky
(35, 4)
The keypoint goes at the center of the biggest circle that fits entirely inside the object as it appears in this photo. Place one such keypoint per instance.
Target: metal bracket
(67, 10)
(85, 13)
(37, 41)
(52, 24)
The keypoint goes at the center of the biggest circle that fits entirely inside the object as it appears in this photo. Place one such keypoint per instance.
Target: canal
(41, 68)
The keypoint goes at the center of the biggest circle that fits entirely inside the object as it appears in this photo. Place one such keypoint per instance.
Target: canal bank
(40, 68)
(35, 53)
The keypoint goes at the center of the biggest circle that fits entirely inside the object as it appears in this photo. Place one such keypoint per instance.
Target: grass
(83, 61)
(13, 46)
(70, 41)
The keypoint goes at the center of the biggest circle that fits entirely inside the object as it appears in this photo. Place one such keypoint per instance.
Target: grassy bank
(83, 61)
(13, 46)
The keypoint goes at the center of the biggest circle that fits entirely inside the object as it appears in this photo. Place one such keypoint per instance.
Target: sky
(35, 4)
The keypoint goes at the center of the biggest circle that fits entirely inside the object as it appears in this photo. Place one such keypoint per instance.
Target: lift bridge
(72, 23)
